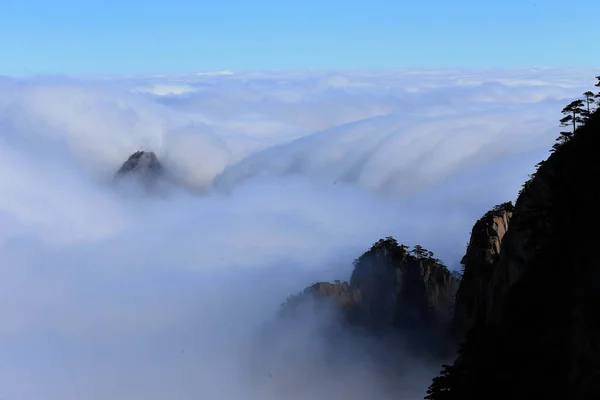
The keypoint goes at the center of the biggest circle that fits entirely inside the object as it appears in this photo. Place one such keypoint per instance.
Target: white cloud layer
(107, 296)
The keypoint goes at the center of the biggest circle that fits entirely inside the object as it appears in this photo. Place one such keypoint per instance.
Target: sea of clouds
(287, 177)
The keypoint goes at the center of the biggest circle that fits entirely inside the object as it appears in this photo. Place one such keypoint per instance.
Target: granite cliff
(392, 291)
(530, 311)
(479, 263)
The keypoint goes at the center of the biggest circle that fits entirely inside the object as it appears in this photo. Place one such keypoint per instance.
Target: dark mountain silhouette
(391, 291)
(143, 170)
(479, 262)
(530, 314)
(143, 164)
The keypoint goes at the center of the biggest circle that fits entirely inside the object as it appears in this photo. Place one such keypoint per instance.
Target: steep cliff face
(537, 334)
(400, 289)
(480, 262)
(392, 290)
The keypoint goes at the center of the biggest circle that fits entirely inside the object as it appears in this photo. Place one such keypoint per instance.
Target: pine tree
(573, 117)
(441, 386)
(589, 100)
(420, 252)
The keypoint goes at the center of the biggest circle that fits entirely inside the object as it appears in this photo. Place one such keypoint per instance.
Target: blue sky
(151, 36)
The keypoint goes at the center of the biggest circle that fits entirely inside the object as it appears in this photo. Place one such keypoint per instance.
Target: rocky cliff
(144, 164)
(341, 295)
(142, 170)
(534, 325)
(479, 263)
(392, 290)
(400, 289)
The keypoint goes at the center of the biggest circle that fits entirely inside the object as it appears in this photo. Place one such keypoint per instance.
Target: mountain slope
(480, 262)
(537, 333)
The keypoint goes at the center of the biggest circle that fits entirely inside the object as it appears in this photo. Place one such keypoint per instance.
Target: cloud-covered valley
(287, 177)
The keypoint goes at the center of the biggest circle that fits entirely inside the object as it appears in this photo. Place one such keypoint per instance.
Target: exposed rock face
(342, 294)
(143, 163)
(480, 262)
(538, 331)
(391, 290)
(144, 167)
(402, 290)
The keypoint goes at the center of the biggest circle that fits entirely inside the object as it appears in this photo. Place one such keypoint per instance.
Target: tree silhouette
(589, 100)
(598, 83)
(420, 252)
(573, 117)
(441, 386)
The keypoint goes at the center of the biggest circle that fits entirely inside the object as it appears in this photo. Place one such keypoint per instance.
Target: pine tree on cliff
(573, 114)
(589, 101)
(420, 252)
(597, 96)
(573, 117)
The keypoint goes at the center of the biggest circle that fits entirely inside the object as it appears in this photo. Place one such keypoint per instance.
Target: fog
(285, 179)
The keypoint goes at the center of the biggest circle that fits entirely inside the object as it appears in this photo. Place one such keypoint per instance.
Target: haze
(288, 177)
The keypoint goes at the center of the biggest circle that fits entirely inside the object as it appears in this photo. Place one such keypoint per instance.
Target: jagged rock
(480, 262)
(141, 162)
(144, 167)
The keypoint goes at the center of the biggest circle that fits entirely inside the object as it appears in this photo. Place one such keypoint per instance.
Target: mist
(285, 178)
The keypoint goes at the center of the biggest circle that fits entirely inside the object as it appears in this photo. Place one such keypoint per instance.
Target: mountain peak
(144, 162)
(143, 167)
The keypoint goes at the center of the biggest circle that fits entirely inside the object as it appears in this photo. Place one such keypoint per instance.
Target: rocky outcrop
(480, 262)
(143, 168)
(340, 295)
(141, 163)
(392, 290)
(537, 334)
(401, 289)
